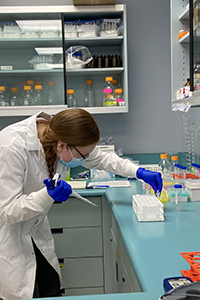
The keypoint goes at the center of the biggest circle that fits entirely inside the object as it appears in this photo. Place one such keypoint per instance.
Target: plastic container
(89, 95)
(14, 97)
(193, 188)
(107, 90)
(3, 96)
(38, 98)
(147, 208)
(165, 167)
(27, 96)
(171, 194)
(50, 94)
(119, 97)
(71, 100)
(178, 196)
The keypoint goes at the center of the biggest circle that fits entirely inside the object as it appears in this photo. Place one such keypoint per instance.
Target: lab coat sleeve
(15, 206)
(110, 162)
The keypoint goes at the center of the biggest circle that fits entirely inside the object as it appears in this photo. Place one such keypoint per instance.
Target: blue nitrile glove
(59, 193)
(152, 178)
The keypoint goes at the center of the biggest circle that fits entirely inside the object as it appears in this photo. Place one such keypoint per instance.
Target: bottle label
(119, 100)
(107, 91)
(110, 103)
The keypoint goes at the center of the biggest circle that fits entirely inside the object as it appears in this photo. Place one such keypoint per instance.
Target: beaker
(178, 196)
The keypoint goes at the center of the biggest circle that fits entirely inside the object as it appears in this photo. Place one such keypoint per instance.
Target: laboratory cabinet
(90, 249)
(34, 45)
(185, 51)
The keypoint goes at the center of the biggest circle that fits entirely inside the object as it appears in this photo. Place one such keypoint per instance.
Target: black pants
(47, 282)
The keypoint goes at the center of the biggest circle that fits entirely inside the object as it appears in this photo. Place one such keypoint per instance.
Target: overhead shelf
(95, 71)
(29, 43)
(194, 100)
(98, 41)
(53, 109)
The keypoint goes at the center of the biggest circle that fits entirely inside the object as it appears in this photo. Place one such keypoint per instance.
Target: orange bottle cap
(14, 89)
(2, 88)
(109, 78)
(115, 81)
(174, 157)
(70, 91)
(38, 87)
(118, 91)
(27, 87)
(31, 82)
(51, 83)
(89, 82)
(165, 155)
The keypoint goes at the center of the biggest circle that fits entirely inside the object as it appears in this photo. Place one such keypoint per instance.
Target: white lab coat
(24, 204)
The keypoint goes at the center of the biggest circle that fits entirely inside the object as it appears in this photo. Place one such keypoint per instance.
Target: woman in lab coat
(31, 152)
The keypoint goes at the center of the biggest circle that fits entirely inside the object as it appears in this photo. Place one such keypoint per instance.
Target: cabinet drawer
(79, 242)
(83, 291)
(82, 272)
(75, 213)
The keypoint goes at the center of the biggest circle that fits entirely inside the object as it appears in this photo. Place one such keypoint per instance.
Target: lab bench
(105, 252)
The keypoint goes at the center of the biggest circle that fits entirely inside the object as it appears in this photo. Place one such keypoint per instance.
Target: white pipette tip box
(148, 208)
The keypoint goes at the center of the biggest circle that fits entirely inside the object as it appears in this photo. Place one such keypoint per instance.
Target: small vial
(178, 196)
(183, 172)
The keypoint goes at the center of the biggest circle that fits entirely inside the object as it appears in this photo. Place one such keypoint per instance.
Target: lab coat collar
(33, 142)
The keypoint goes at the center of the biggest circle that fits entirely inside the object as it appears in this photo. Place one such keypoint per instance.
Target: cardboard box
(94, 2)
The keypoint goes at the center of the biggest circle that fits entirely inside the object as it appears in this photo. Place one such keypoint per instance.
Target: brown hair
(73, 126)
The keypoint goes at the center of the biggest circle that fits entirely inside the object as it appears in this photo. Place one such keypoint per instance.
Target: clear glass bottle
(119, 97)
(107, 90)
(50, 94)
(38, 98)
(115, 84)
(89, 95)
(165, 167)
(32, 85)
(3, 96)
(71, 100)
(27, 96)
(14, 97)
(174, 161)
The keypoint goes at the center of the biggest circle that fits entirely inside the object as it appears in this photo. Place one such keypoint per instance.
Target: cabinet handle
(117, 272)
(56, 230)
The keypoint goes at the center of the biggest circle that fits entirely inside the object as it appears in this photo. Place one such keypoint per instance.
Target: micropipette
(76, 195)
(82, 198)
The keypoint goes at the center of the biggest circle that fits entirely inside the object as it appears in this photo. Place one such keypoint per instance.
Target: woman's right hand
(59, 193)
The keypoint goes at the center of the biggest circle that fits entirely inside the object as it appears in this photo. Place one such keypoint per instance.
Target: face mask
(75, 162)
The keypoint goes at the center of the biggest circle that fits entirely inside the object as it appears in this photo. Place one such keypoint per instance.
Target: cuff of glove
(139, 173)
(42, 199)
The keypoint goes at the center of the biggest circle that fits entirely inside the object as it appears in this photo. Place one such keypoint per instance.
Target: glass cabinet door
(196, 46)
(96, 48)
(31, 61)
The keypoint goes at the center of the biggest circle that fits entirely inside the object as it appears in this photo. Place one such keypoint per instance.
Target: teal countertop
(153, 247)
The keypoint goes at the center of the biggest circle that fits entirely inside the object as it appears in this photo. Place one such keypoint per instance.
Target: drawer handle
(56, 230)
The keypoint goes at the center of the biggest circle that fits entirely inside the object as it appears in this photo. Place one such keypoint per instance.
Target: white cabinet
(124, 279)
(91, 252)
(16, 52)
(77, 231)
